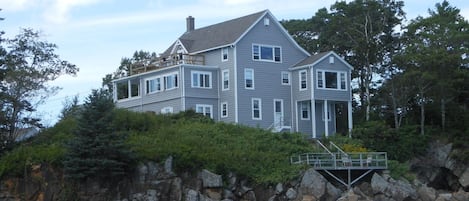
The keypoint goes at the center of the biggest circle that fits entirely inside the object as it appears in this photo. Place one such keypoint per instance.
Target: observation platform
(336, 162)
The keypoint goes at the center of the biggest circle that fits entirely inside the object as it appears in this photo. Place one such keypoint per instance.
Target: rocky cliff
(153, 181)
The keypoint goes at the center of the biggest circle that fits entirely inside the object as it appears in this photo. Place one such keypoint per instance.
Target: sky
(96, 34)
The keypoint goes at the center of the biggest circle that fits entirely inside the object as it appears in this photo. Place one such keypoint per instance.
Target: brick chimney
(190, 23)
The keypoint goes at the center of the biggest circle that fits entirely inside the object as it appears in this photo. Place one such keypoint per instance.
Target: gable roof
(217, 35)
(314, 59)
(223, 34)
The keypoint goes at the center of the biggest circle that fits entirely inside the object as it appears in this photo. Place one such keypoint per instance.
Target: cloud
(58, 11)
(16, 5)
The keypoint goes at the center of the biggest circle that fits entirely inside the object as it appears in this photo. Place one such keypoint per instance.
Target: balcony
(162, 62)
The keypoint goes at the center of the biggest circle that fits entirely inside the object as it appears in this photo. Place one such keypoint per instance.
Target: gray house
(249, 71)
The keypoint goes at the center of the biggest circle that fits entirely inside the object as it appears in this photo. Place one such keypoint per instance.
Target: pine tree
(97, 151)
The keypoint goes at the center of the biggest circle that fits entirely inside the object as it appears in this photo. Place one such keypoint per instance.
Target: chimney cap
(190, 23)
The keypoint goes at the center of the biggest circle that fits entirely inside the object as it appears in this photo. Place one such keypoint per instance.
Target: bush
(400, 170)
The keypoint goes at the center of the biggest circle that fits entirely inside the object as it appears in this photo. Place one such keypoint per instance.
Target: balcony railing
(337, 161)
(162, 62)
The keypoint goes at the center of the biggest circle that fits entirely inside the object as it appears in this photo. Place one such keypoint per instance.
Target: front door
(278, 114)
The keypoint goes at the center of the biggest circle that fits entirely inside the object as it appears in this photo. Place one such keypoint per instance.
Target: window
(201, 79)
(256, 108)
(332, 80)
(170, 81)
(204, 109)
(153, 85)
(285, 76)
(122, 90)
(226, 79)
(303, 80)
(249, 78)
(266, 53)
(304, 110)
(167, 110)
(224, 109)
(134, 88)
(224, 54)
(331, 59)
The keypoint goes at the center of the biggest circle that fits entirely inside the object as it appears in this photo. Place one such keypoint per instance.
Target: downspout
(235, 69)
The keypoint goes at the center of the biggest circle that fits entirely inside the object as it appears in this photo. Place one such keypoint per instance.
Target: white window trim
(198, 77)
(164, 81)
(308, 109)
(260, 108)
(223, 80)
(221, 112)
(323, 73)
(289, 77)
(204, 106)
(167, 110)
(260, 53)
(154, 78)
(306, 79)
(253, 86)
(223, 53)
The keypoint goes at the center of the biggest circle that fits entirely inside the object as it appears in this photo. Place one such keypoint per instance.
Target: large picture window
(201, 79)
(170, 81)
(153, 85)
(266, 53)
(331, 80)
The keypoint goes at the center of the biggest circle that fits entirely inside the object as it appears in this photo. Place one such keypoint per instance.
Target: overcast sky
(96, 34)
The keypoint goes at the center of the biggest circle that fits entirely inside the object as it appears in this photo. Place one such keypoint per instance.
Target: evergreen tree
(97, 151)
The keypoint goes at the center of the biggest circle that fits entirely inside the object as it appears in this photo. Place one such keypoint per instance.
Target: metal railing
(171, 60)
(337, 161)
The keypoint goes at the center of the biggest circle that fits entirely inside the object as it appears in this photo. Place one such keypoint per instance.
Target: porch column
(313, 117)
(350, 121)
(326, 122)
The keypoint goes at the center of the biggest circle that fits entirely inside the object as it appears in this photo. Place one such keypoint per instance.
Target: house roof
(316, 58)
(217, 35)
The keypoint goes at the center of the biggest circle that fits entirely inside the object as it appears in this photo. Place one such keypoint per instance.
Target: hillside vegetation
(193, 140)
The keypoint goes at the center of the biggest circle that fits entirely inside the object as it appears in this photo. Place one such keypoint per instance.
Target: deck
(162, 62)
(336, 162)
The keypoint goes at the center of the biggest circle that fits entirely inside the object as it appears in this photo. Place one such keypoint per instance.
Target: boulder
(192, 195)
(461, 195)
(398, 190)
(210, 180)
(291, 194)
(426, 193)
(464, 179)
(279, 188)
(444, 197)
(349, 196)
(313, 183)
(168, 165)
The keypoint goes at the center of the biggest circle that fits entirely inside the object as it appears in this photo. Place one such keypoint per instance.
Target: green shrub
(400, 170)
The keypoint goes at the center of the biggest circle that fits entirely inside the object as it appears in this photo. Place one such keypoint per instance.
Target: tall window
(285, 76)
(256, 108)
(224, 54)
(266, 53)
(303, 80)
(224, 109)
(304, 110)
(204, 109)
(201, 79)
(331, 80)
(226, 79)
(249, 78)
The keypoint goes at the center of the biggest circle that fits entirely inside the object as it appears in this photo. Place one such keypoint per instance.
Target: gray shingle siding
(267, 82)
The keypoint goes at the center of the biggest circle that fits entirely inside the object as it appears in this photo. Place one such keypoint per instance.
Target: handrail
(325, 148)
(327, 161)
(337, 147)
